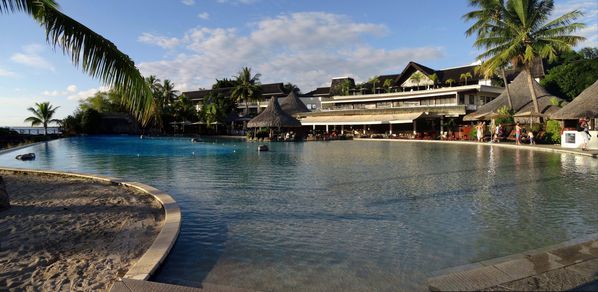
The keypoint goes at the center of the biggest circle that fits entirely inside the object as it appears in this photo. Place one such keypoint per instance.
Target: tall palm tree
(248, 88)
(42, 115)
(518, 32)
(387, 85)
(465, 76)
(168, 94)
(374, 80)
(434, 78)
(96, 55)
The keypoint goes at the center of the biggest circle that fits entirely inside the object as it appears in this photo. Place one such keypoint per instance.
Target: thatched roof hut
(273, 117)
(291, 104)
(521, 98)
(584, 105)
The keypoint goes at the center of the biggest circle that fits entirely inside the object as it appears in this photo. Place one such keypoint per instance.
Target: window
(461, 99)
(471, 99)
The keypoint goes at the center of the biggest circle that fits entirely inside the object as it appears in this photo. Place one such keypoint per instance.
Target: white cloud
(72, 93)
(203, 15)
(31, 57)
(188, 2)
(589, 8)
(304, 48)
(160, 41)
(71, 88)
(7, 73)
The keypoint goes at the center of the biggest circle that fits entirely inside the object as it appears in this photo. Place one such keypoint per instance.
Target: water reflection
(346, 215)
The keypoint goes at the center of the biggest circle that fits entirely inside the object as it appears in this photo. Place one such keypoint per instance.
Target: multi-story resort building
(418, 100)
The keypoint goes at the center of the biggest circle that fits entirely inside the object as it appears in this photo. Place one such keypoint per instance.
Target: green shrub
(553, 132)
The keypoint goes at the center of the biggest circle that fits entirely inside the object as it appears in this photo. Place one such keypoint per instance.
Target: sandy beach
(65, 234)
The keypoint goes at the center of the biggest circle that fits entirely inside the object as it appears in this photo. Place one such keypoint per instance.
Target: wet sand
(65, 234)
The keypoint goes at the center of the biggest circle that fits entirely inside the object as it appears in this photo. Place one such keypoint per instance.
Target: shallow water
(343, 215)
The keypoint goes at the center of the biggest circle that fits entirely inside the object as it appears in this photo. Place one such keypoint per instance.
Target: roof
(443, 75)
(292, 104)
(268, 90)
(273, 117)
(520, 96)
(320, 91)
(584, 105)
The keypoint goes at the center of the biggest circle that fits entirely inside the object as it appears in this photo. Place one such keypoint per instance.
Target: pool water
(342, 215)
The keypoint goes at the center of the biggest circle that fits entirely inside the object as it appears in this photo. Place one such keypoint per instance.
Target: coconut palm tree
(434, 78)
(450, 82)
(417, 78)
(42, 115)
(387, 85)
(248, 88)
(96, 55)
(465, 76)
(518, 32)
(373, 81)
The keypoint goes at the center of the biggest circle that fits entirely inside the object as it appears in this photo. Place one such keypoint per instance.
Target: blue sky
(193, 42)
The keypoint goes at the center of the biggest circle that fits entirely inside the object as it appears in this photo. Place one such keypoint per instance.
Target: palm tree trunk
(45, 129)
(532, 90)
(504, 79)
(247, 107)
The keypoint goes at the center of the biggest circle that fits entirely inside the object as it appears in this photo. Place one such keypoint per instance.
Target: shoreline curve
(155, 255)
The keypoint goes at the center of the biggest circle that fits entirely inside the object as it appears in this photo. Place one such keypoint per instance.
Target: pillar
(390, 132)
(342, 129)
(441, 125)
(364, 129)
(326, 128)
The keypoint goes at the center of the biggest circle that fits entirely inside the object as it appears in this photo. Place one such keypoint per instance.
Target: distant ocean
(35, 130)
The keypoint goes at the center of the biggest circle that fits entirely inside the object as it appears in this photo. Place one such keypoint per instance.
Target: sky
(195, 42)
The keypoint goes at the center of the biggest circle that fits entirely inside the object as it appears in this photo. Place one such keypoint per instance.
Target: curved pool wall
(342, 215)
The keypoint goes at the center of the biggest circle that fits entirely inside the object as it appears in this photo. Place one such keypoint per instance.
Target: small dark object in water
(194, 140)
(262, 148)
(28, 156)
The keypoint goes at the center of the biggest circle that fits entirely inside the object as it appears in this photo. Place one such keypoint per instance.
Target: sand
(66, 234)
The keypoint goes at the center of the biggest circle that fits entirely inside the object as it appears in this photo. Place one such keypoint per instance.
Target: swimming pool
(342, 215)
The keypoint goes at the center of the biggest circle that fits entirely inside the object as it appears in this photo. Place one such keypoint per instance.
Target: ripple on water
(346, 215)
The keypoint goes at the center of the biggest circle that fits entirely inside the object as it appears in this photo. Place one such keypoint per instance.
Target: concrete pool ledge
(149, 262)
(563, 266)
(541, 147)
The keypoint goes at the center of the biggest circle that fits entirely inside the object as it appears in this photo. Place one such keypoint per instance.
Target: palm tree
(374, 80)
(248, 88)
(96, 55)
(465, 76)
(434, 78)
(518, 32)
(168, 94)
(42, 115)
(450, 82)
(417, 78)
(387, 85)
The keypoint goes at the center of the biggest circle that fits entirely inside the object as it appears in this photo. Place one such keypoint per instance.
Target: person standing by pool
(497, 133)
(530, 136)
(480, 131)
(518, 134)
(585, 133)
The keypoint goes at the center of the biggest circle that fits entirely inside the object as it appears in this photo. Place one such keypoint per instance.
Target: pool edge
(155, 255)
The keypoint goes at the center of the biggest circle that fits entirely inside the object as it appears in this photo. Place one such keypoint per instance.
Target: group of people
(498, 133)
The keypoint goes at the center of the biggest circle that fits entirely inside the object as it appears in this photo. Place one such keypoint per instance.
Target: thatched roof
(520, 96)
(292, 104)
(584, 105)
(273, 117)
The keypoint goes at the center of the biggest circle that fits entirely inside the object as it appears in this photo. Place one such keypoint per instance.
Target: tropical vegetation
(572, 73)
(247, 88)
(96, 55)
(43, 114)
(517, 32)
